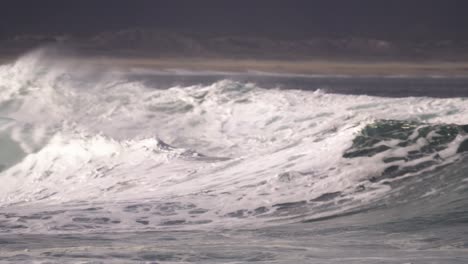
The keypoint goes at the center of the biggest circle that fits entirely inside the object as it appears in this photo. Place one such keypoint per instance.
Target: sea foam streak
(136, 156)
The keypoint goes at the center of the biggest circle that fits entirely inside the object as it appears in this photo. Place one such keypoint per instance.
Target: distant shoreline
(316, 67)
(263, 66)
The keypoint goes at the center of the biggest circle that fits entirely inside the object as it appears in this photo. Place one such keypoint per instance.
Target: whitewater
(117, 166)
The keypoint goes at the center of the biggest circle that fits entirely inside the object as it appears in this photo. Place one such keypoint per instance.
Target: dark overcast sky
(373, 18)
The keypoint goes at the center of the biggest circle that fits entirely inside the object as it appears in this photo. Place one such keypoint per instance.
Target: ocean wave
(201, 156)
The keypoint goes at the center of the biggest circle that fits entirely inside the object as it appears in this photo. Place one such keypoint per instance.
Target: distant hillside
(160, 44)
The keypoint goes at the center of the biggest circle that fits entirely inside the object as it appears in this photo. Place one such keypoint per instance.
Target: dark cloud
(374, 18)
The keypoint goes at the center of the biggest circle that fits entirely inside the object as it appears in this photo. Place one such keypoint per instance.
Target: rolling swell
(425, 166)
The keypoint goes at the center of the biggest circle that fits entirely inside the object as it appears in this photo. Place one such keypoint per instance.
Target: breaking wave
(84, 149)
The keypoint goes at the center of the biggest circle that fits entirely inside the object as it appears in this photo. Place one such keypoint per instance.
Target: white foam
(93, 137)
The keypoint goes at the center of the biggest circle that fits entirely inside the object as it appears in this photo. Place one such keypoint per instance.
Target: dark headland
(163, 50)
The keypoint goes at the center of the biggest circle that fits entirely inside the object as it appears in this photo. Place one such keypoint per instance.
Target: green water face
(377, 137)
(10, 152)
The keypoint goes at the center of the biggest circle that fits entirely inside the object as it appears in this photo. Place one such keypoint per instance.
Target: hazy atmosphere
(412, 32)
(315, 132)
